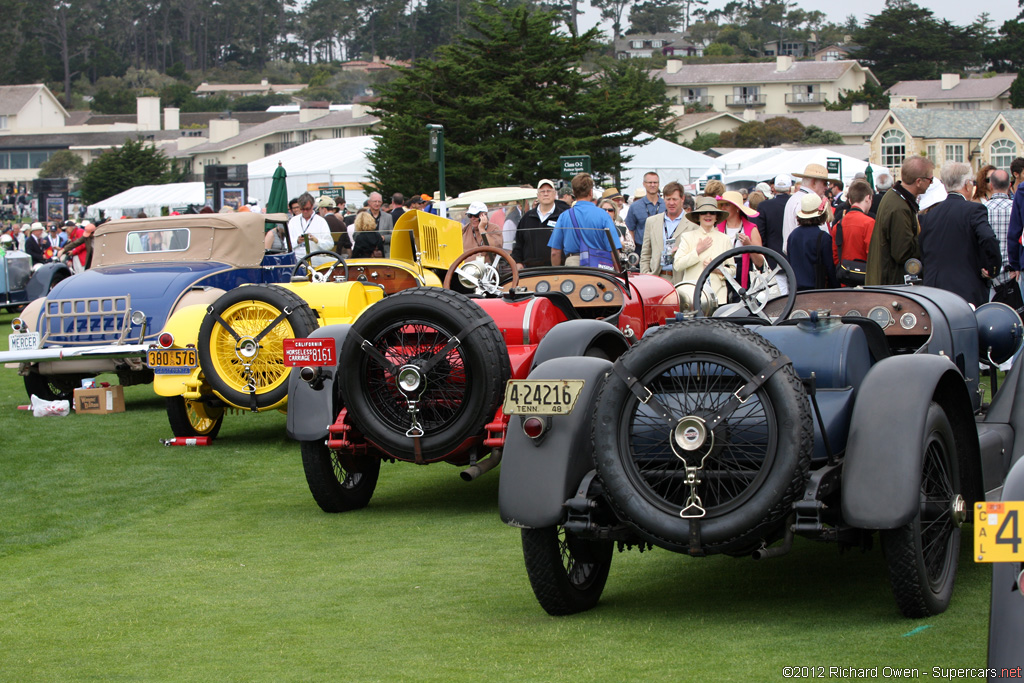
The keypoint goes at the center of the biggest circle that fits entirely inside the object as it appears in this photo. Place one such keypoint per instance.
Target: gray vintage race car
(839, 415)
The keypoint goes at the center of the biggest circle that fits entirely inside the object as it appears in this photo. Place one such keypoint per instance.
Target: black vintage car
(838, 415)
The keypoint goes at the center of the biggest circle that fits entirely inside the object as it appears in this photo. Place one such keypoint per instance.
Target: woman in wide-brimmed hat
(743, 232)
(697, 248)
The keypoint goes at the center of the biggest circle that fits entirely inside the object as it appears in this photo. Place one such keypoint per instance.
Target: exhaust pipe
(482, 466)
(777, 551)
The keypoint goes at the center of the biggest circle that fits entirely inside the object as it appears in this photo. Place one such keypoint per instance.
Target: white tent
(795, 161)
(669, 160)
(338, 161)
(151, 199)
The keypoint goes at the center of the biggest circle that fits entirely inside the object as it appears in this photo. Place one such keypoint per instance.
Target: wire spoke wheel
(338, 482)
(923, 554)
(733, 463)
(248, 320)
(441, 401)
(193, 418)
(567, 573)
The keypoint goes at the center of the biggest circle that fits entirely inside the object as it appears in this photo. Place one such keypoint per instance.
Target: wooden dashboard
(895, 314)
(583, 290)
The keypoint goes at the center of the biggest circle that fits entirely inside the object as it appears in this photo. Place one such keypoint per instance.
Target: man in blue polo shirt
(645, 207)
(592, 223)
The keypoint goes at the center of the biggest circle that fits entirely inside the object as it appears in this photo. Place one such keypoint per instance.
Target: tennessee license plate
(172, 361)
(997, 532)
(541, 396)
(23, 341)
(319, 352)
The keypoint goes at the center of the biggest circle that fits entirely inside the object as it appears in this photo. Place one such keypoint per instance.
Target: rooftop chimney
(783, 63)
(859, 113)
(673, 66)
(222, 129)
(950, 81)
(172, 121)
(147, 113)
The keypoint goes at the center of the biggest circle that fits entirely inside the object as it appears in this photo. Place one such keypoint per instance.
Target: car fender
(44, 278)
(537, 477)
(1006, 617)
(311, 409)
(580, 338)
(882, 470)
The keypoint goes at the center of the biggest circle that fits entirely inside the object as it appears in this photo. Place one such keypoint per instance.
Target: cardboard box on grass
(100, 400)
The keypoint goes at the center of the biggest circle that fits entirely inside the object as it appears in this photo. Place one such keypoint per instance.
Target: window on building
(1001, 153)
(894, 148)
(657, 43)
(19, 160)
(304, 136)
(3, 122)
(805, 93)
(636, 44)
(931, 154)
(967, 105)
(37, 159)
(954, 152)
(746, 94)
(695, 96)
(831, 56)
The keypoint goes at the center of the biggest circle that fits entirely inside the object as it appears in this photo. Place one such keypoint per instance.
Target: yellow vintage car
(229, 354)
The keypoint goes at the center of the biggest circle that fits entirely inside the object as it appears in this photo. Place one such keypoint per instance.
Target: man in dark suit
(772, 212)
(959, 250)
(34, 244)
(882, 184)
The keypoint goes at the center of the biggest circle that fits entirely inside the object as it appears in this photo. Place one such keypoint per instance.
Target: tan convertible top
(232, 238)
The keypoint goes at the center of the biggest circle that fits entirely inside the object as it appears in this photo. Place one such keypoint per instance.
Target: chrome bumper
(75, 353)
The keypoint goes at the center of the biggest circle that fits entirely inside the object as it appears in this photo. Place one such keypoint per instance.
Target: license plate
(997, 532)
(319, 352)
(541, 396)
(23, 341)
(172, 361)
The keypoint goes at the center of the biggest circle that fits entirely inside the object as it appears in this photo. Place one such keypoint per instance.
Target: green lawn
(124, 559)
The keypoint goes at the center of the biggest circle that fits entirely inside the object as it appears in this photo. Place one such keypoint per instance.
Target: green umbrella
(277, 202)
(869, 174)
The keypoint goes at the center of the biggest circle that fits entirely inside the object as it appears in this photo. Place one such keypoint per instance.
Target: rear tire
(567, 573)
(339, 483)
(193, 418)
(923, 554)
(248, 311)
(53, 387)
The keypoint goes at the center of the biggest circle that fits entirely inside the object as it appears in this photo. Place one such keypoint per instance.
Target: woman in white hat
(810, 247)
(697, 248)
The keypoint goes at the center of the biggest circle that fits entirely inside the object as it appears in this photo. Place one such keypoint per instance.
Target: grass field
(124, 559)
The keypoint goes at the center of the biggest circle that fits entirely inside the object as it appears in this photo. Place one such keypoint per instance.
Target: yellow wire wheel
(241, 340)
(193, 418)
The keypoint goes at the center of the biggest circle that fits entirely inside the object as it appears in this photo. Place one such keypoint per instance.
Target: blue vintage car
(105, 319)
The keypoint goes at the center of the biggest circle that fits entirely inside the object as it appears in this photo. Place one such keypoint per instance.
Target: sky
(954, 10)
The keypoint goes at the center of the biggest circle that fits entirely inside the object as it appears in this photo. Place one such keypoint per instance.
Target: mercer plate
(23, 341)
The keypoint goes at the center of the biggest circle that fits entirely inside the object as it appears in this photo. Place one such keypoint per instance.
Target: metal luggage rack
(81, 321)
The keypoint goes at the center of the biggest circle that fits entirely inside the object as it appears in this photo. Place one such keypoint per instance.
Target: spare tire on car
(240, 343)
(749, 459)
(423, 371)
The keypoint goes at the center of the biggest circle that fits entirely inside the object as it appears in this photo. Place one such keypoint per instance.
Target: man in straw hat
(814, 180)
(894, 239)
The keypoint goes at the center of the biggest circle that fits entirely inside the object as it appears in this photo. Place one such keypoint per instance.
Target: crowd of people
(964, 227)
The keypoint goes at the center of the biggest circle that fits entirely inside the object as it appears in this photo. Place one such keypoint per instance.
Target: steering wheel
(484, 277)
(314, 275)
(756, 296)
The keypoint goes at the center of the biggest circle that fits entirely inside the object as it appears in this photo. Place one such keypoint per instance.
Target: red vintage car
(421, 375)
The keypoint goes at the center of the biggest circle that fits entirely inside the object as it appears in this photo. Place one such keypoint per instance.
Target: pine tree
(512, 101)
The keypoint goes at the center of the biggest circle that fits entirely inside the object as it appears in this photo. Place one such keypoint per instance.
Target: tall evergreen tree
(512, 101)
